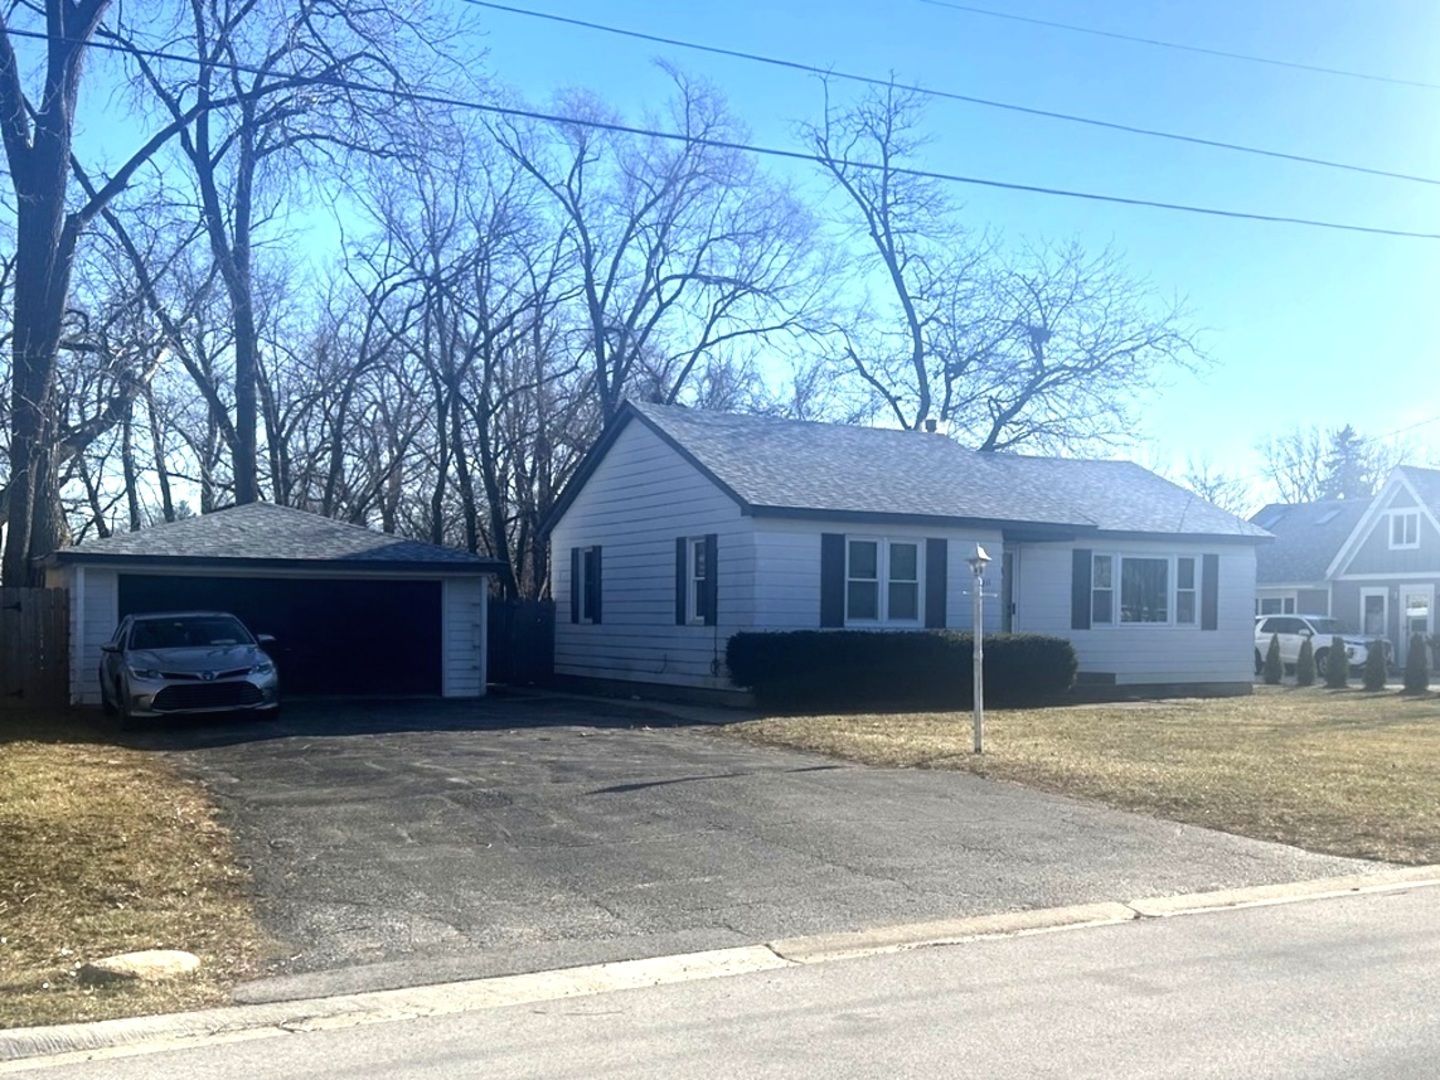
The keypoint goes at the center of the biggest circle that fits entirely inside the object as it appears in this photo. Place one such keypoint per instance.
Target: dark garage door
(332, 637)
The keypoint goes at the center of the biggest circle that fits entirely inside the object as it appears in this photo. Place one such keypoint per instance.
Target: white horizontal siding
(641, 497)
(94, 614)
(462, 637)
(788, 575)
(1145, 654)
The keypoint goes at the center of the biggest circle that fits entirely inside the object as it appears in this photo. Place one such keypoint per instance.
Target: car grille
(186, 676)
(208, 695)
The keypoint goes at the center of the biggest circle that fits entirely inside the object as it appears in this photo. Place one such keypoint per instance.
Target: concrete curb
(31, 1048)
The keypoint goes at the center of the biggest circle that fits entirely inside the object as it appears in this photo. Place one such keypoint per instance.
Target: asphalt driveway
(427, 841)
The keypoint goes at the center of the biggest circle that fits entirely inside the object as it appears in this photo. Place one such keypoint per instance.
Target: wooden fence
(522, 642)
(34, 648)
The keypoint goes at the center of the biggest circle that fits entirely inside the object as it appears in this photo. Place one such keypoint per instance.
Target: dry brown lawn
(105, 850)
(1342, 772)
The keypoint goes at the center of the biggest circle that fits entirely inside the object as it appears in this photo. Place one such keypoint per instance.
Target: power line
(947, 95)
(419, 97)
(1156, 42)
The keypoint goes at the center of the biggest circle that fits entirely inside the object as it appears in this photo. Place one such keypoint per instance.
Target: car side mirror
(265, 639)
(1307, 632)
(110, 647)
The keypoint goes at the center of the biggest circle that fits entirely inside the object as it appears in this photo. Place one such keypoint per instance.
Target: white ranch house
(683, 527)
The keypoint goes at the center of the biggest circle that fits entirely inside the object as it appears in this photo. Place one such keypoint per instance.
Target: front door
(1417, 607)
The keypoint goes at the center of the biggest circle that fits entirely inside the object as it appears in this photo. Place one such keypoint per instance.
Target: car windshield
(191, 631)
(1326, 626)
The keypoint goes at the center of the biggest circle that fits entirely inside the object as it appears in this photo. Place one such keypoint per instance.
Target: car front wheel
(1322, 662)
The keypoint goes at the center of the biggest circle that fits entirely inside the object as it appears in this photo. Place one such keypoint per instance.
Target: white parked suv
(1292, 630)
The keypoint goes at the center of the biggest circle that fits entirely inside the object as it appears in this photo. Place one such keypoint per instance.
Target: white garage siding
(462, 636)
(1145, 654)
(94, 614)
(640, 498)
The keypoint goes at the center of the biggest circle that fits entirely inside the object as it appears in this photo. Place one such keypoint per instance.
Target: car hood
(198, 659)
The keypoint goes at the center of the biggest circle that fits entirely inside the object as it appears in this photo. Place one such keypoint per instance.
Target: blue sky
(1305, 326)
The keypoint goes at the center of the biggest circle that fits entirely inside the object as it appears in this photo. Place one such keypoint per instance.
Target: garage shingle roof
(261, 534)
(785, 466)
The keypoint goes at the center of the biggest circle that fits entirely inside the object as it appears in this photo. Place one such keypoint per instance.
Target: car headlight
(265, 667)
(145, 673)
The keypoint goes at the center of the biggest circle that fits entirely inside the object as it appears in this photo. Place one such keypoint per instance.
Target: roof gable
(770, 465)
(1422, 486)
(265, 534)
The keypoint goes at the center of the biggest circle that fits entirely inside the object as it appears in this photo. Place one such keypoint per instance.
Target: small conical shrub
(1274, 669)
(1375, 666)
(1337, 665)
(1417, 665)
(1305, 664)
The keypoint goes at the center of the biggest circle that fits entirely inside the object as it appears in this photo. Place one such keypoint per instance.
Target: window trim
(883, 580)
(1411, 517)
(1172, 591)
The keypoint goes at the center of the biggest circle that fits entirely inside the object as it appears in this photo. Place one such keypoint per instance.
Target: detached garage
(352, 611)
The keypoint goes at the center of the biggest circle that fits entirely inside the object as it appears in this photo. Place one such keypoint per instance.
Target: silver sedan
(187, 662)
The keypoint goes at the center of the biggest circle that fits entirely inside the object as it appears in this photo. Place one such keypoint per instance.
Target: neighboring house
(1374, 564)
(683, 527)
(353, 611)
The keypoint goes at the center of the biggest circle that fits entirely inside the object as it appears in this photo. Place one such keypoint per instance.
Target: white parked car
(1293, 630)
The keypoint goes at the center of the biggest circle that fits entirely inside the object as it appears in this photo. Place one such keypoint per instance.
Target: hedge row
(933, 668)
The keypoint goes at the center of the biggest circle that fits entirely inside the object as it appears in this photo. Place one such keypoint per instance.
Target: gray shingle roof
(776, 464)
(264, 534)
(1426, 483)
(1307, 538)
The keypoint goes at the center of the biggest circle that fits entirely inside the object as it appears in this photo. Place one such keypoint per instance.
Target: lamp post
(977, 565)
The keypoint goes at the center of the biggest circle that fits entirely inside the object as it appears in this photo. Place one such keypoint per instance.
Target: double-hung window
(882, 581)
(1404, 529)
(585, 584)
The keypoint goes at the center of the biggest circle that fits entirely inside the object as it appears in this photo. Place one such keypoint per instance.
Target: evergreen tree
(1274, 670)
(1337, 665)
(1305, 664)
(1417, 665)
(1349, 466)
(1375, 666)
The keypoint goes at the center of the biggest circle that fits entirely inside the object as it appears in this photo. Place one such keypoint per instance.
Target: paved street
(425, 842)
(1346, 988)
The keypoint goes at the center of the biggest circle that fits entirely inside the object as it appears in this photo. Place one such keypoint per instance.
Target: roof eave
(79, 557)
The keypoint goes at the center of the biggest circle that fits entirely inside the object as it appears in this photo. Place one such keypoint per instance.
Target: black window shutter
(832, 579)
(682, 579)
(712, 578)
(595, 603)
(937, 582)
(575, 585)
(1080, 589)
(1210, 593)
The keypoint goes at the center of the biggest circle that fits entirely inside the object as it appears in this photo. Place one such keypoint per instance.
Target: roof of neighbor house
(1307, 538)
(262, 535)
(1426, 483)
(798, 468)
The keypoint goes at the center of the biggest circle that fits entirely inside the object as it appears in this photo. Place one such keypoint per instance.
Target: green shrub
(1274, 669)
(1375, 666)
(930, 669)
(1337, 665)
(1417, 665)
(1305, 664)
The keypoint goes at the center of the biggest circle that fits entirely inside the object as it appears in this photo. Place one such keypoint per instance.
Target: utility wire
(1135, 38)
(947, 95)
(747, 148)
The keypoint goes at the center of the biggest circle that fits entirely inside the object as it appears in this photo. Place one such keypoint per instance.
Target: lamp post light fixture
(978, 562)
